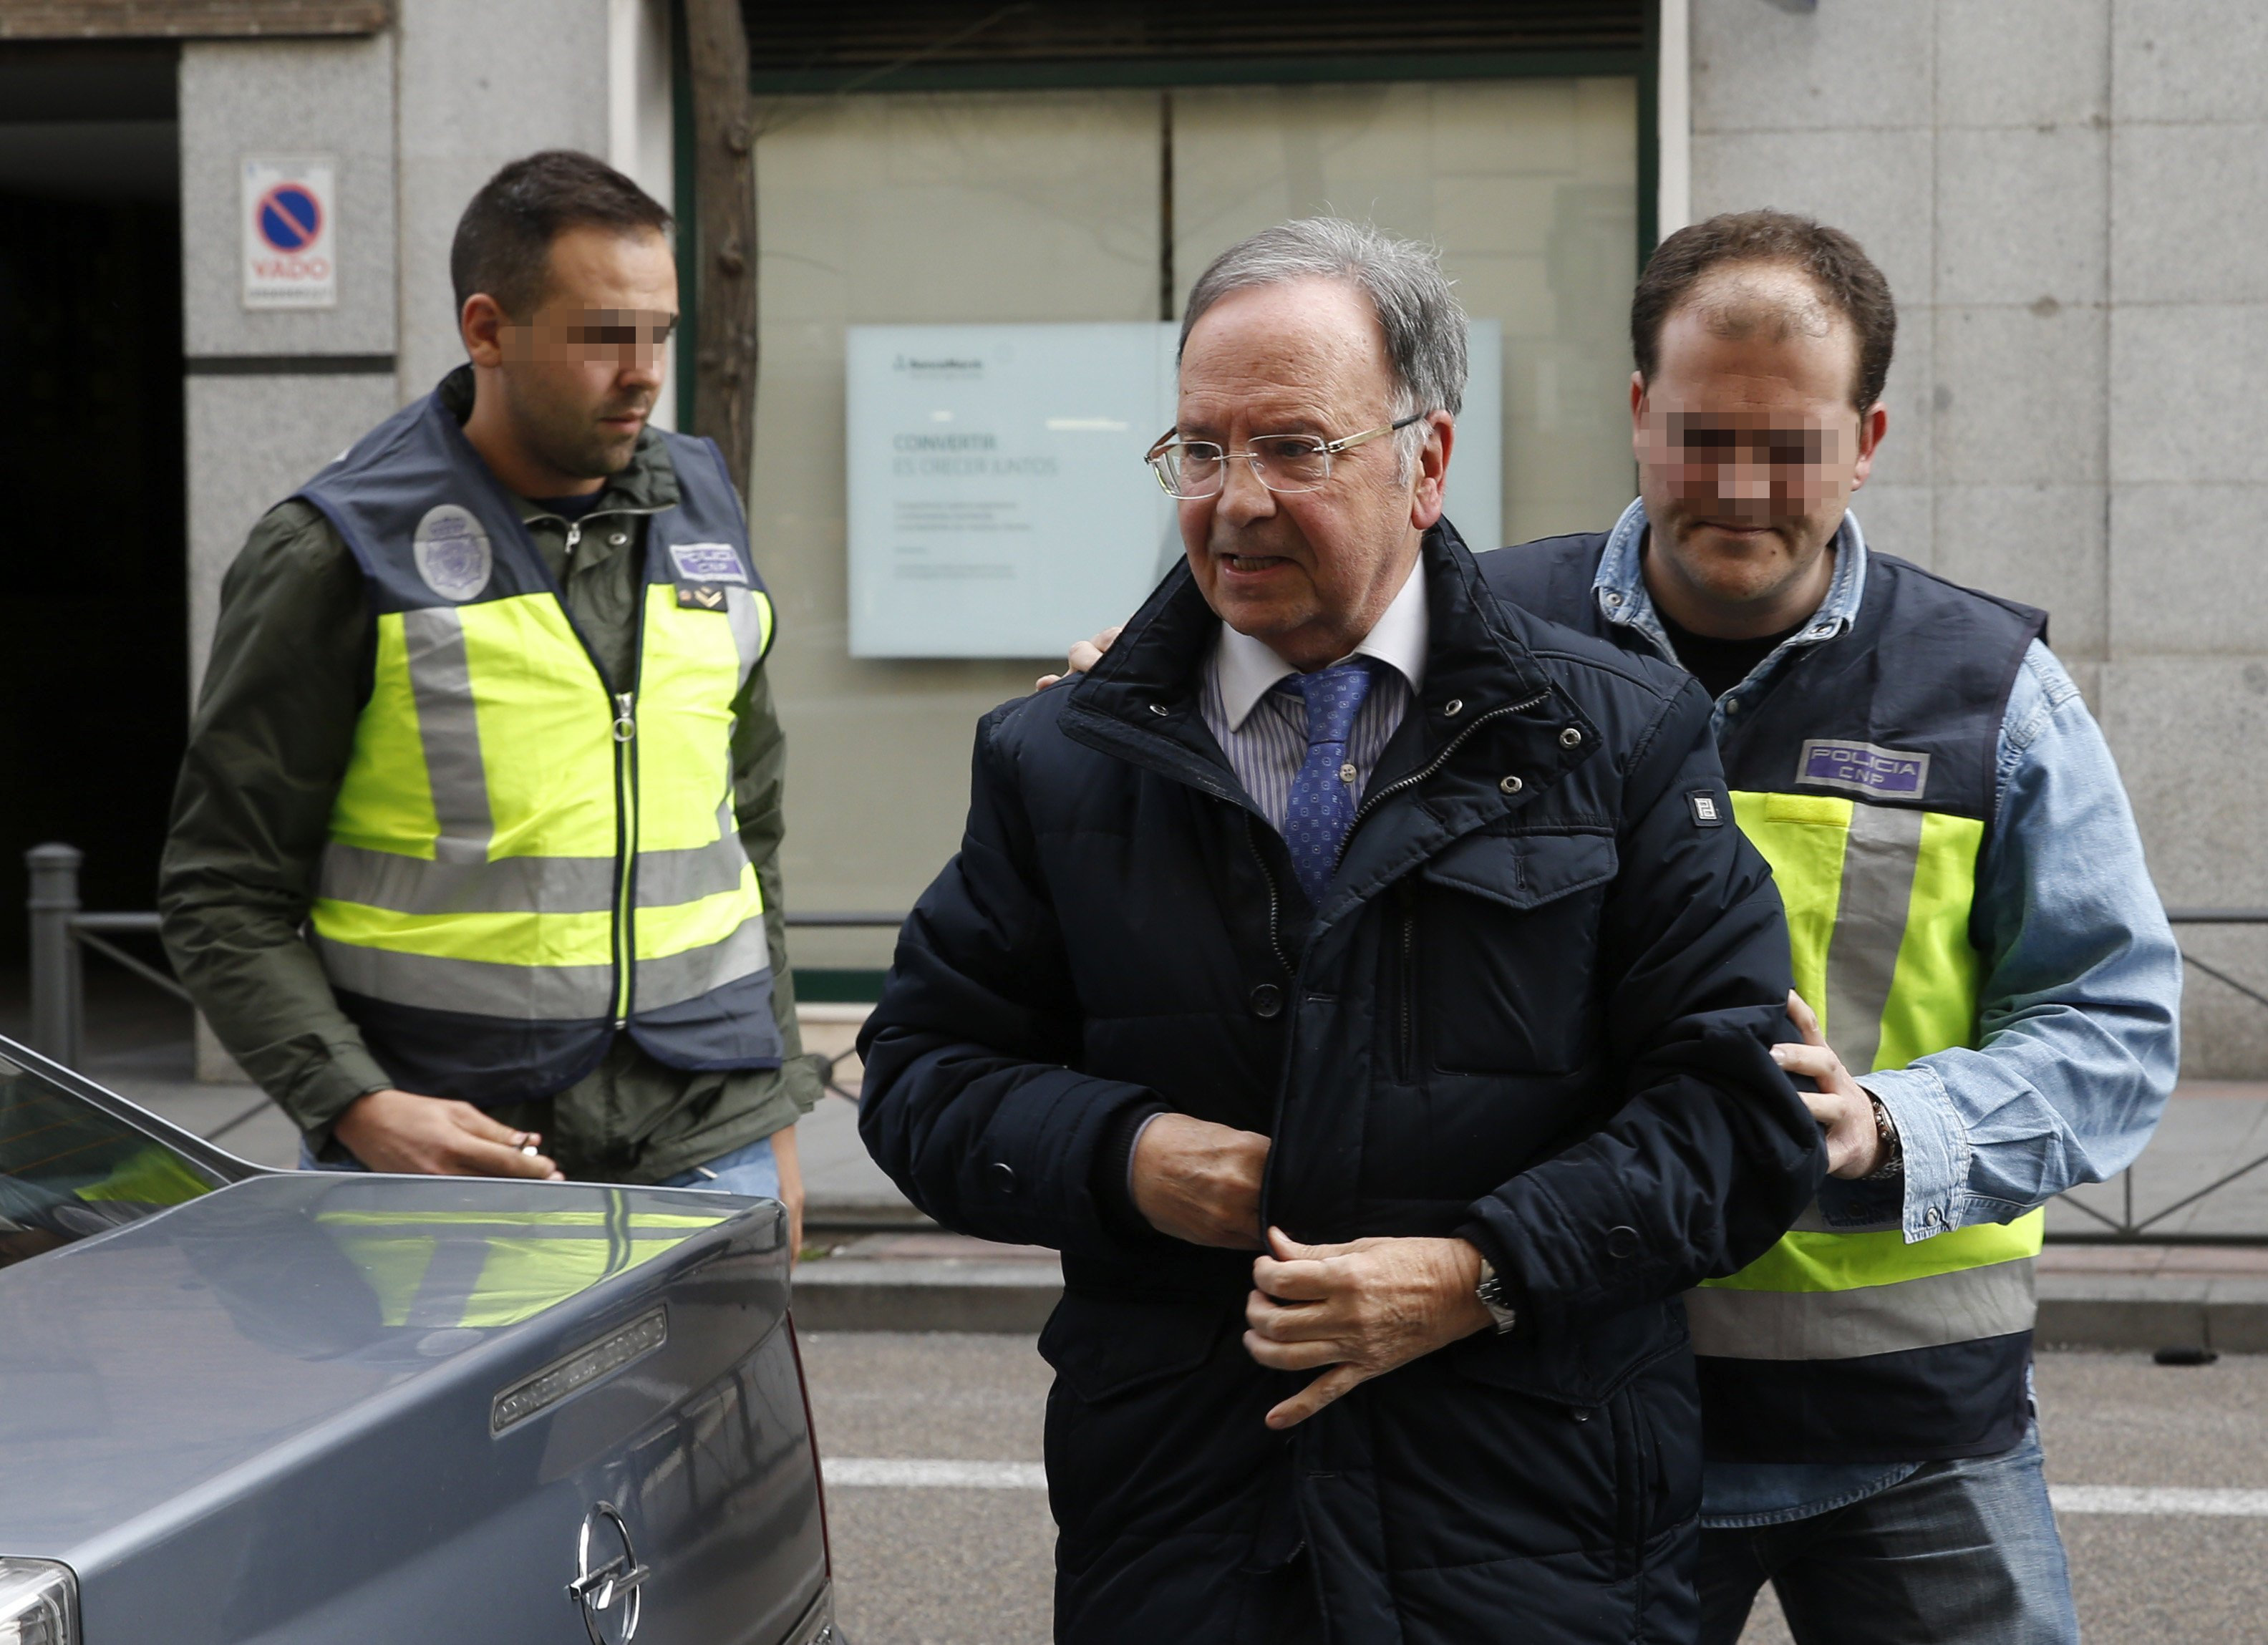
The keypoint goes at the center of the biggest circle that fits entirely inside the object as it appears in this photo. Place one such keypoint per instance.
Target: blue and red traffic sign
(290, 218)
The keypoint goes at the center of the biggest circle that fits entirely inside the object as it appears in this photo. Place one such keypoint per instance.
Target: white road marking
(932, 1474)
(2157, 1499)
(844, 1471)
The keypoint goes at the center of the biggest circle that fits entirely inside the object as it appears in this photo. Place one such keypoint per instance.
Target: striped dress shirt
(1262, 727)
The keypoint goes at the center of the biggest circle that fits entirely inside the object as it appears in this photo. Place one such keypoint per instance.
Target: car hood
(140, 1367)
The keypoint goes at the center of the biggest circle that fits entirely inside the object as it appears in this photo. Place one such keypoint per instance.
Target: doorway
(93, 580)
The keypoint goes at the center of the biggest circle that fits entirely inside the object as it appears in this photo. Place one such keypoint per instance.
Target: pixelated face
(1748, 445)
(581, 373)
(1309, 572)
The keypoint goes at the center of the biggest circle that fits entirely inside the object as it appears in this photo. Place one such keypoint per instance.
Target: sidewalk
(875, 1263)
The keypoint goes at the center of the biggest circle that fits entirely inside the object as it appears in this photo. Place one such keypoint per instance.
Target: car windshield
(68, 1170)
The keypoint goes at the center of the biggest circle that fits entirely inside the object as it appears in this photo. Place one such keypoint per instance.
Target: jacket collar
(1620, 589)
(1488, 713)
(647, 485)
(1245, 670)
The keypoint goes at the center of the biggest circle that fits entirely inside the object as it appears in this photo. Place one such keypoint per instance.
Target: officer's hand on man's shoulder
(1083, 656)
(401, 1131)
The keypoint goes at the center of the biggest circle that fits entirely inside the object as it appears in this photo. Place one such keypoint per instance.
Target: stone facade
(2070, 199)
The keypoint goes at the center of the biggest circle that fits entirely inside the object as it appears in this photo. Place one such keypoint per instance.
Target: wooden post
(724, 277)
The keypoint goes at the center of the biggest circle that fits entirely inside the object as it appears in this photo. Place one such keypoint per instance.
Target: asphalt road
(925, 1565)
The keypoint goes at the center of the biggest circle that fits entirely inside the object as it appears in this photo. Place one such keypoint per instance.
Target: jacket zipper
(625, 731)
(1370, 802)
(1275, 938)
(1408, 980)
(626, 849)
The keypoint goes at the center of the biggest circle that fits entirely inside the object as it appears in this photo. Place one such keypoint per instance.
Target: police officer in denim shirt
(1986, 979)
(1988, 985)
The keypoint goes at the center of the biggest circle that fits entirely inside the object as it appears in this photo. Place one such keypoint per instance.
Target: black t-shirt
(1720, 664)
(570, 508)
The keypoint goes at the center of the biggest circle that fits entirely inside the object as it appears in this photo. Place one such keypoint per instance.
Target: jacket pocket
(1628, 1385)
(1636, 1462)
(1585, 1367)
(1508, 939)
(1525, 871)
(1104, 1348)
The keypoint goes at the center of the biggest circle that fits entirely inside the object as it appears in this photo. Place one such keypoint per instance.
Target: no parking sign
(290, 260)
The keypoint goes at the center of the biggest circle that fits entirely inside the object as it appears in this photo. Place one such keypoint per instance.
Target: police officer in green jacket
(474, 859)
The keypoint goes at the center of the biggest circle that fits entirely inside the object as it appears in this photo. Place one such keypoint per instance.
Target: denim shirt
(2078, 1011)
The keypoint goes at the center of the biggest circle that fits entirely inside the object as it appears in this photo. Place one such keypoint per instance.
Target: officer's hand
(1854, 1142)
(1084, 655)
(1200, 1181)
(398, 1131)
(1361, 1309)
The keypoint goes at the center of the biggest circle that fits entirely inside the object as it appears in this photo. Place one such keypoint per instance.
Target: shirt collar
(1246, 668)
(1620, 585)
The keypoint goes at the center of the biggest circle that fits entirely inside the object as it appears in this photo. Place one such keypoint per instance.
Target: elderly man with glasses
(1356, 979)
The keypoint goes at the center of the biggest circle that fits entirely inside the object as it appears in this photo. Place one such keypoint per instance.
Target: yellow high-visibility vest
(522, 861)
(1878, 903)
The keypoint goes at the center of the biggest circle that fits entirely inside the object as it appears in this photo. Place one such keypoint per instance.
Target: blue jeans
(753, 1171)
(1962, 1552)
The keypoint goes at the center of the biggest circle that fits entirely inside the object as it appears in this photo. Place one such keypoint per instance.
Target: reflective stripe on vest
(475, 863)
(522, 865)
(1878, 902)
(435, 1269)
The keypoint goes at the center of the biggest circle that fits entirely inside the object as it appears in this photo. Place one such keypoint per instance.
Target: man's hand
(1854, 1142)
(398, 1131)
(1361, 1309)
(1084, 655)
(1200, 1181)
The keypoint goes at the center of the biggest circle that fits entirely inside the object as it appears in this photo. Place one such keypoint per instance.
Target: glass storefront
(1103, 205)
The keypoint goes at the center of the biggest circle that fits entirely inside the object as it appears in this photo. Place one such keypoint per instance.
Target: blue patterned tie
(1322, 807)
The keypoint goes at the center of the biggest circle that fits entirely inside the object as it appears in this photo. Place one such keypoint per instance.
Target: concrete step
(926, 1295)
(2153, 1296)
(2144, 1297)
(926, 1281)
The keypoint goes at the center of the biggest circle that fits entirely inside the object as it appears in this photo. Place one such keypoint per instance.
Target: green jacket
(290, 671)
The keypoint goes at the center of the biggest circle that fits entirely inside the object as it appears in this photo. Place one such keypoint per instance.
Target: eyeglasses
(1192, 470)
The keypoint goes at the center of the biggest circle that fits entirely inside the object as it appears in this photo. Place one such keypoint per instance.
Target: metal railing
(62, 932)
(2126, 1229)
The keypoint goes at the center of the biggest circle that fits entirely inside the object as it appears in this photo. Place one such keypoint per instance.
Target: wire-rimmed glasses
(1192, 470)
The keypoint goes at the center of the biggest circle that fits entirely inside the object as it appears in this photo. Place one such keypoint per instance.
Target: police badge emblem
(452, 553)
(707, 563)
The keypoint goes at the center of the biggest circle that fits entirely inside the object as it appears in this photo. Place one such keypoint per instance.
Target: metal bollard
(58, 997)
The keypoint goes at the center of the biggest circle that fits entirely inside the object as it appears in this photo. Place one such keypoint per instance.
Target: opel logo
(607, 1577)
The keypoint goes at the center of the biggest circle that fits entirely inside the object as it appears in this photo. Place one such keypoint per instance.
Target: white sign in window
(290, 224)
(999, 503)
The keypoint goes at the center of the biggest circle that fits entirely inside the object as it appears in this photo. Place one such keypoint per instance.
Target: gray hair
(1424, 328)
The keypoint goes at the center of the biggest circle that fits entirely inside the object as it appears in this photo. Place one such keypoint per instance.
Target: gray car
(239, 1406)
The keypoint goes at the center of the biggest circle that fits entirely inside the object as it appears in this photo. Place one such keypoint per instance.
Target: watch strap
(1494, 1297)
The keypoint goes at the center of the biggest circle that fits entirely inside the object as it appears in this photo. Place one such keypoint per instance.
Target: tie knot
(1334, 696)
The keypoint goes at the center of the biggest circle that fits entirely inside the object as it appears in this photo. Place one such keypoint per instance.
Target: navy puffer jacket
(1533, 1008)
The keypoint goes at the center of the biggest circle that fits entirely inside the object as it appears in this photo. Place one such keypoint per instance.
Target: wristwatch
(1493, 1297)
(1894, 1153)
